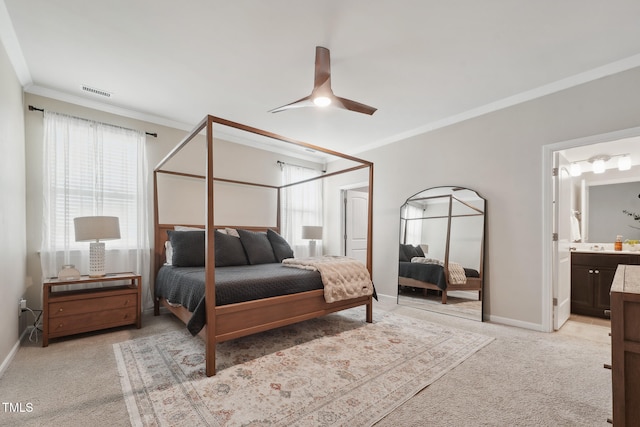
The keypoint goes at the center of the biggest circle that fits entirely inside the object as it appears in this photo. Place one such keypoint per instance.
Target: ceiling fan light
(322, 101)
(598, 166)
(624, 163)
(575, 169)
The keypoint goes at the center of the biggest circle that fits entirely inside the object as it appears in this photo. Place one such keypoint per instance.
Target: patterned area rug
(335, 370)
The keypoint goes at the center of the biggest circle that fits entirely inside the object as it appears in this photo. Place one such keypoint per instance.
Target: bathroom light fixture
(598, 163)
(624, 162)
(575, 169)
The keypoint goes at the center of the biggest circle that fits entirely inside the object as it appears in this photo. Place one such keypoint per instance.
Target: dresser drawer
(84, 322)
(89, 305)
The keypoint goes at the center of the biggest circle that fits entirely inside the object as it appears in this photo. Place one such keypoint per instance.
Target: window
(301, 205)
(92, 168)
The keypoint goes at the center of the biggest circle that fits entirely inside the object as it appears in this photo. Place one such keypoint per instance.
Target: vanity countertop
(606, 251)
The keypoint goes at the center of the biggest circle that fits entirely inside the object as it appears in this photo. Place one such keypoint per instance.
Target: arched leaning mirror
(442, 251)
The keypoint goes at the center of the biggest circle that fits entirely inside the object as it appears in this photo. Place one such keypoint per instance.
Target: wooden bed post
(210, 264)
(369, 316)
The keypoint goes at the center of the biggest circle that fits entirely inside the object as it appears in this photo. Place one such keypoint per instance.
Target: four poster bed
(277, 295)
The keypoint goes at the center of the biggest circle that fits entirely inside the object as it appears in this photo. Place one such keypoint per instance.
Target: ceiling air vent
(96, 91)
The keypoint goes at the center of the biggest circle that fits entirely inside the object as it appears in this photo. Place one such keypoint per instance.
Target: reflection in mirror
(441, 251)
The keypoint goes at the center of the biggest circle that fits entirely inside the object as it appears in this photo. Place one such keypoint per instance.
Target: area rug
(335, 370)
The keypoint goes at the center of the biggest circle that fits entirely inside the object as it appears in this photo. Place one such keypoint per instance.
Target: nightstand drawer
(77, 323)
(89, 305)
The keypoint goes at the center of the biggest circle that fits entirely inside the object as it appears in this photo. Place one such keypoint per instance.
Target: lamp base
(312, 248)
(96, 259)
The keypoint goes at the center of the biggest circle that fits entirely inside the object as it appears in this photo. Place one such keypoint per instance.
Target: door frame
(548, 253)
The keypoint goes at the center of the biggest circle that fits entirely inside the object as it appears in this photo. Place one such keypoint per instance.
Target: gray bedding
(431, 273)
(185, 286)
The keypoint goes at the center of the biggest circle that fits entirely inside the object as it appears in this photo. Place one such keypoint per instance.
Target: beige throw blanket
(342, 277)
(456, 271)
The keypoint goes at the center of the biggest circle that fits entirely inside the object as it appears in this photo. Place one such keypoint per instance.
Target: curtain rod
(32, 108)
(281, 163)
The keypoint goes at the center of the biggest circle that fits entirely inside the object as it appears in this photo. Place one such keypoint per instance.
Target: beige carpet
(336, 370)
(523, 378)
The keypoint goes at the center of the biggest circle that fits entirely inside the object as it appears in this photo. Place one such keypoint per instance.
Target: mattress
(234, 284)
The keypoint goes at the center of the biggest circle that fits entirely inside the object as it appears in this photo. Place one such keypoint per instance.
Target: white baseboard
(387, 299)
(7, 360)
(517, 323)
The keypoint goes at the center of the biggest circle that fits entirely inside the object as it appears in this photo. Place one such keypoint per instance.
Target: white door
(561, 254)
(355, 224)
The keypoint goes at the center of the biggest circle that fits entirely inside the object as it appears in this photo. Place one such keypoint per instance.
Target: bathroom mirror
(441, 251)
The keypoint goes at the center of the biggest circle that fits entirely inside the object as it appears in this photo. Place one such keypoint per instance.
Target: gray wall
(12, 208)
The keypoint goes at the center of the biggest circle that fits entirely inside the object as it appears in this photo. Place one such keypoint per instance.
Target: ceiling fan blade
(302, 102)
(322, 90)
(348, 104)
(322, 74)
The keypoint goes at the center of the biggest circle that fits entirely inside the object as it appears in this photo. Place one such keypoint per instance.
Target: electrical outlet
(22, 305)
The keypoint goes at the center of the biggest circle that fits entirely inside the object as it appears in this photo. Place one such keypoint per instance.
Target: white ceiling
(422, 63)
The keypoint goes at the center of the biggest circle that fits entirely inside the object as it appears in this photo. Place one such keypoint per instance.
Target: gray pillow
(280, 246)
(257, 247)
(229, 250)
(188, 248)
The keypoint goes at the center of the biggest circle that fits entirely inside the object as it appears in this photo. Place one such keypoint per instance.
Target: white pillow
(186, 228)
(168, 250)
(232, 232)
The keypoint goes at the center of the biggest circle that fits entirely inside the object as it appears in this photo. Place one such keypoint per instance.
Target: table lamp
(94, 229)
(312, 233)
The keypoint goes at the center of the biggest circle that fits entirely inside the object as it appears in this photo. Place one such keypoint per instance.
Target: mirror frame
(476, 283)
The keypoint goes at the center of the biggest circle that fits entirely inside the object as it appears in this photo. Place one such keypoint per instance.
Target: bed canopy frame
(237, 320)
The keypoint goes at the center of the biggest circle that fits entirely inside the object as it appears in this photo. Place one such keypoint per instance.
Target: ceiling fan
(322, 95)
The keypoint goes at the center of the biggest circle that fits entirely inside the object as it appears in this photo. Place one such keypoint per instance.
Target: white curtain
(91, 168)
(301, 205)
(413, 226)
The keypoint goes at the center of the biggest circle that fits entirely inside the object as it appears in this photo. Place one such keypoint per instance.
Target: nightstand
(76, 311)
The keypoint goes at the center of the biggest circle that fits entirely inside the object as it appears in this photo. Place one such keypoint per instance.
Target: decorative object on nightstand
(68, 272)
(312, 233)
(94, 229)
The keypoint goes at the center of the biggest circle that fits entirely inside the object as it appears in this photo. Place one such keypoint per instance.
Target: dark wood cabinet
(591, 278)
(625, 345)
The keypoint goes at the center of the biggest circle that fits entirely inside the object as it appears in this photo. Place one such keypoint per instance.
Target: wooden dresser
(116, 303)
(591, 278)
(625, 345)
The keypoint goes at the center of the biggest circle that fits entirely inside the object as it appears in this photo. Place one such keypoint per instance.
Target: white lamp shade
(96, 228)
(312, 232)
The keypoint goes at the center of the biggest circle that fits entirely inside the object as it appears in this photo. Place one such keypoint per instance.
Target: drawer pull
(591, 271)
(597, 271)
(60, 309)
(126, 302)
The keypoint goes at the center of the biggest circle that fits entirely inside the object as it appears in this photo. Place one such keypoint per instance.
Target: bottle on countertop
(617, 246)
